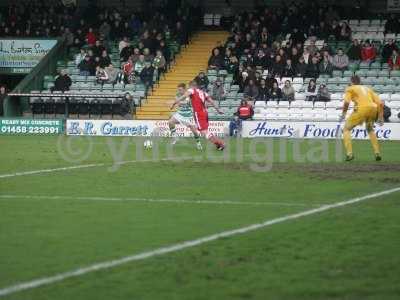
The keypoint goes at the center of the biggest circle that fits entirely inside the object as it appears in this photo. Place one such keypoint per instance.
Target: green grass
(346, 253)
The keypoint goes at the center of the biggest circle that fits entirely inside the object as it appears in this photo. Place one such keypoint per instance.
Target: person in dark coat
(62, 82)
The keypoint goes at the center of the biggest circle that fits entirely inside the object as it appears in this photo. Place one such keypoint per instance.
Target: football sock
(374, 142)
(347, 142)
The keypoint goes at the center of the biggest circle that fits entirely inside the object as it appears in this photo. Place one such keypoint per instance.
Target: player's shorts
(367, 115)
(185, 121)
(201, 120)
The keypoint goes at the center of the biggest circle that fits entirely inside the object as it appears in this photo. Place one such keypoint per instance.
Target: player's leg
(369, 126)
(172, 128)
(196, 136)
(354, 120)
(202, 125)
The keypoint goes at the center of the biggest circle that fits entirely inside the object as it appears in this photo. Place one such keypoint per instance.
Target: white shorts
(183, 120)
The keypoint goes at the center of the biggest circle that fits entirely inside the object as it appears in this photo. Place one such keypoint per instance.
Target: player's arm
(212, 103)
(179, 99)
(346, 104)
(379, 104)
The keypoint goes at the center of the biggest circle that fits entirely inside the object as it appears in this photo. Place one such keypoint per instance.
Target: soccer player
(199, 99)
(184, 116)
(368, 108)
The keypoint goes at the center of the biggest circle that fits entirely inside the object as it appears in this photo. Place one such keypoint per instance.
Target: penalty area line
(18, 287)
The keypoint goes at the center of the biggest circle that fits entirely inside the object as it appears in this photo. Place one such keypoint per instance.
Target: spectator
(394, 60)
(86, 66)
(340, 61)
(98, 48)
(275, 93)
(112, 74)
(261, 60)
(123, 44)
(105, 30)
(139, 65)
(345, 32)
(215, 61)
(3, 95)
(148, 57)
(325, 66)
(368, 52)
(278, 66)
(312, 49)
(313, 68)
(311, 92)
(91, 37)
(387, 50)
(62, 82)
(159, 63)
(323, 94)
(146, 76)
(354, 52)
(301, 67)
(202, 81)
(245, 111)
(288, 92)
(392, 25)
(135, 56)
(289, 70)
(101, 75)
(105, 60)
(251, 90)
(263, 91)
(387, 112)
(68, 37)
(128, 72)
(80, 56)
(217, 90)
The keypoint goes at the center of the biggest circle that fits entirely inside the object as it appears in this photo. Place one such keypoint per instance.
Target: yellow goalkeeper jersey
(362, 96)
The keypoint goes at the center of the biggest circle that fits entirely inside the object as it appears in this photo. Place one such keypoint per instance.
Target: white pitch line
(180, 246)
(152, 200)
(77, 167)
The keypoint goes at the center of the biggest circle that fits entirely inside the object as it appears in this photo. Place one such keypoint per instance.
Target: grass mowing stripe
(150, 200)
(181, 246)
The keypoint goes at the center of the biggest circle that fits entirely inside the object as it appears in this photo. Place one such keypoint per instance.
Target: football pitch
(103, 218)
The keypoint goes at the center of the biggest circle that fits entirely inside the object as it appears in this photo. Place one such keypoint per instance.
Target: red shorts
(201, 120)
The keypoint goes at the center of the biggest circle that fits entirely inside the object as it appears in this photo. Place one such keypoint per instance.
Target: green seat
(388, 89)
(372, 73)
(353, 67)
(212, 72)
(361, 73)
(395, 73)
(344, 81)
(334, 80)
(375, 66)
(49, 78)
(364, 65)
(48, 85)
(383, 73)
(348, 73)
(320, 80)
(222, 73)
(337, 73)
(380, 81)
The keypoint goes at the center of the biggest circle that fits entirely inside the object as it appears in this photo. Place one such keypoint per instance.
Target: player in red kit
(199, 99)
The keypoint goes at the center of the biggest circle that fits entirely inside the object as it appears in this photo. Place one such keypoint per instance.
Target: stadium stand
(328, 49)
(110, 52)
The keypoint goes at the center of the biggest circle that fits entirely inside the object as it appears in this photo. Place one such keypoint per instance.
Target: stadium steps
(189, 62)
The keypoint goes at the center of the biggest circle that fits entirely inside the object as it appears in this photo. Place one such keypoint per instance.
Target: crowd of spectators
(142, 36)
(277, 43)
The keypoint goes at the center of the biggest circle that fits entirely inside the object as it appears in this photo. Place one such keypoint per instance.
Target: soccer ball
(148, 144)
